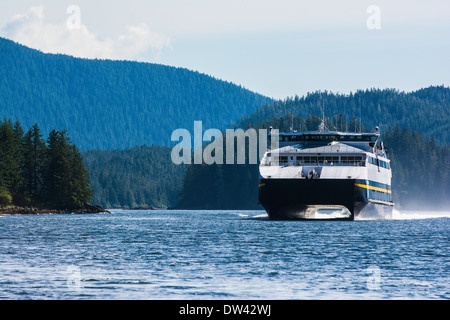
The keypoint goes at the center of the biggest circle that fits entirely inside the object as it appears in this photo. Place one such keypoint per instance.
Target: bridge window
(326, 160)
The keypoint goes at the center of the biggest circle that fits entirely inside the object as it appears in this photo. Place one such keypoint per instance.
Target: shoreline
(34, 210)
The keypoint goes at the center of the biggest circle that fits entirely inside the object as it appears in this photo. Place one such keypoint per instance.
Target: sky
(277, 48)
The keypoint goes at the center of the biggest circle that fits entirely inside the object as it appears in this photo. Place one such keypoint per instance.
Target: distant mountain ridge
(107, 104)
(426, 110)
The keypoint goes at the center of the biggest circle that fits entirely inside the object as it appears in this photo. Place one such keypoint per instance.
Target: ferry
(323, 174)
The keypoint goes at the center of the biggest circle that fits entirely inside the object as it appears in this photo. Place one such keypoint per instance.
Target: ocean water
(199, 255)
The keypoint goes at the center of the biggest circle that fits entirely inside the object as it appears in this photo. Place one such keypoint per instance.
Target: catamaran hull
(320, 199)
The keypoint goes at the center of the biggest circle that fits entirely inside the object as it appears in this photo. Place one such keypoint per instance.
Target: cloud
(74, 38)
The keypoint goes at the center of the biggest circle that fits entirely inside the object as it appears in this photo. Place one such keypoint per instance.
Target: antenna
(323, 113)
(322, 126)
(292, 123)
(323, 108)
(360, 116)
(360, 122)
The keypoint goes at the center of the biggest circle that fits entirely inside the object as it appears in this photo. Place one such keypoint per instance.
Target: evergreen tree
(57, 171)
(34, 152)
(11, 136)
(66, 179)
(79, 182)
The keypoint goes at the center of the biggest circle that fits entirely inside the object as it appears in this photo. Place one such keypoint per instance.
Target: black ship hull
(313, 199)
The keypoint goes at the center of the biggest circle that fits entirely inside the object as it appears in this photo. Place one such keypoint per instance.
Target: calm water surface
(222, 255)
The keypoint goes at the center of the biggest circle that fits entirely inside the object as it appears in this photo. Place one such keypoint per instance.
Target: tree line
(41, 172)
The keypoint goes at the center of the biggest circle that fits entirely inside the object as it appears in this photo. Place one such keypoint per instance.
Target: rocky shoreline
(33, 210)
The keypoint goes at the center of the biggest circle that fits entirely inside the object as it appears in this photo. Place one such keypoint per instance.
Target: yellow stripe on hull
(372, 188)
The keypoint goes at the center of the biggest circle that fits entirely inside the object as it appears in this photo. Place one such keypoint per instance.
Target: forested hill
(108, 104)
(426, 110)
(138, 177)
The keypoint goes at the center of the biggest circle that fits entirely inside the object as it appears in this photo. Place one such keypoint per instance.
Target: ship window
(347, 160)
(380, 163)
(283, 160)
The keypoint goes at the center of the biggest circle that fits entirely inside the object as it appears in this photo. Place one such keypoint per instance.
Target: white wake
(414, 215)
